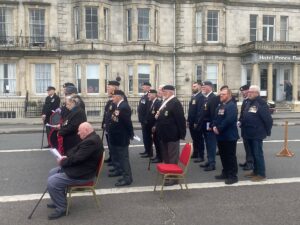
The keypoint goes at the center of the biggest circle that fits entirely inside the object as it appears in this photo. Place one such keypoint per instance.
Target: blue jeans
(58, 181)
(211, 146)
(256, 147)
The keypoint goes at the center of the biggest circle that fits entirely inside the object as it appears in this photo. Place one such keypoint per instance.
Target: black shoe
(209, 168)
(242, 164)
(231, 181)
(115, 174)
(107, 160)
(112, 170)
(146, 156)
(156, 160)
(199, 160)
(218, 152)
(204, 165)
(143, 153)
(248, 167)
(122, 183)
(51, 206)
(56, 214)
(221, 177)
(194, 157)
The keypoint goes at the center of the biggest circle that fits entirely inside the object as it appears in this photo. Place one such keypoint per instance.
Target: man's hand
(43, 117)
(61, 159)
(153, 129)
(216, 131)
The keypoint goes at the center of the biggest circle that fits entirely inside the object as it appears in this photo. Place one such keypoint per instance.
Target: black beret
(68, 84)
(153, 91)
(168, 87)
(207, 82)
(50, 88)
(113, 82)
(244, 87)
(146, 84)
(71, 90)
(119, 92)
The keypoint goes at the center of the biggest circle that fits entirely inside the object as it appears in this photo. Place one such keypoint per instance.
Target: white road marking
(130, 146)
(110, 191)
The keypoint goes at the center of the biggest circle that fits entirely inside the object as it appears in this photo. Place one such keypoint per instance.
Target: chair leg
(69, 202)
(96, 199)
(157, 177)
(162, 186)
(180, 183)
(185, 183)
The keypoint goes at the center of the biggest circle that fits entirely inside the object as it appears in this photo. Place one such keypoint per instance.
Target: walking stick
(43, 136)
(37, 204)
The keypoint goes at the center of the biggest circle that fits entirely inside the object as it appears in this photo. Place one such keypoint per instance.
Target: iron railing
(29, 42)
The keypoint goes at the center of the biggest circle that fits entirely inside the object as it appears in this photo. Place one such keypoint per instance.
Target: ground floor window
(7, 79)
(42, 77)
(143, 75)
(92, 78)
(78, 77)
(212, 74)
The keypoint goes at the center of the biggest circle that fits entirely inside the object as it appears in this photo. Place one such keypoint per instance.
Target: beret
(244, 87)
(113, 82)
(168, 87)
(50, 88)
(153, 91)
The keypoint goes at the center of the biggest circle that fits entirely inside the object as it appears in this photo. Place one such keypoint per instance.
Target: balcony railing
(29, 42)
(280, 46)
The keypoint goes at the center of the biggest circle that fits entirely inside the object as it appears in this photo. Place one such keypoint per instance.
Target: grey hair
(75, 99)
(255, 88)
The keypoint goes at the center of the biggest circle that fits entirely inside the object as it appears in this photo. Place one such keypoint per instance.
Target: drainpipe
(174, 47)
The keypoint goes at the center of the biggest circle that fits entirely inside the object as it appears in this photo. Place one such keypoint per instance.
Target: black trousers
(227, 150)
(157, 146)
(147, 137)
(198, 142)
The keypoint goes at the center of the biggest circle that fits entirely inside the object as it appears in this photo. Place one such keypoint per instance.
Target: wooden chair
(175, 171)
(89, 186)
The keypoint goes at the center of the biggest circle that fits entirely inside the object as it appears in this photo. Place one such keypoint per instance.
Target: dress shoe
(221, 177)
(218, 152)
(112, 170)
(242, 164)
(194, 157)
(210, 168)
(199, 160)
(51, 206)
(107, 160)
(115, 174)
(156, 160)
(231, 181)
(145, 156)
(258, 178)
(143, 153)
(248, 167)
(122, 183)
(250, 175)
(204, 165)
(56, 214)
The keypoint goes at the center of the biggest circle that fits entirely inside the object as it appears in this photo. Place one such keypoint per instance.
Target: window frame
(93, 25)
(106, 22)
(40, 70)
(267, 27)
(76, 21)
(37, 24)
(141, 80)
(143, 27)
(196, 77)
(6, 26)
(130, 78)
(198, 26)
(98, 79)
(129, 24)
(215, 84)
(78, 77)
(212, 26)
(251, 16)
(285, 30)
(9, 83)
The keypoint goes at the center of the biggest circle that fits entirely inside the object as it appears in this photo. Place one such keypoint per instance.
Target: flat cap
(146, 83)
(207, 82)
(113, 82)
(71, 90)
(153, 91)
(168, 87)
(244, 87)
(119, 92)
(50, 88)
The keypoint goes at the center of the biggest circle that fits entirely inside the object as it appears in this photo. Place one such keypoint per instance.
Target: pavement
(32, 125)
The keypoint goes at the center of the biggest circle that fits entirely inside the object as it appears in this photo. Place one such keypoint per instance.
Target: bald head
(84, 130)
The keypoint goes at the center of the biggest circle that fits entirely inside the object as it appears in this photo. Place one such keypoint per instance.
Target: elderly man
(248, 164)
(170, 126)
(224, 126)
(120, 132)
(77, 167)
(256, 123)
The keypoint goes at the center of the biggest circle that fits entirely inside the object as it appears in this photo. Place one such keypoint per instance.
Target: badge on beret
(166, 113)
(193, 102)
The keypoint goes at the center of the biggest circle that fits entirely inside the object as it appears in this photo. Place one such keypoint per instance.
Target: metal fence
(32, 109)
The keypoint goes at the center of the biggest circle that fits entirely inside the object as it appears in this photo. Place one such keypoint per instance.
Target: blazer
(142, 108)
(171, 124)
(51, 103)
(151, 112)
(194, 105)
(82, 160)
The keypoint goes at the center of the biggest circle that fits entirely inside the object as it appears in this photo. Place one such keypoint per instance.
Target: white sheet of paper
(137, 138)
(55, 153)
(49, 125)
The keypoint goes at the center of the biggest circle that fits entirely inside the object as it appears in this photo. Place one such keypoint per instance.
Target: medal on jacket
(194, 102)
(166, 113)
(153, 112)
(221, 112)
(65, 123)
(252, 109)
(205, 106)
(52, 100)
(110, 107)
(143, 101)
(117, 112)
(157, 115)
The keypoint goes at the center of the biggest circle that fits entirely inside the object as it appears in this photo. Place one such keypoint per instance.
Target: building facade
(233, 42)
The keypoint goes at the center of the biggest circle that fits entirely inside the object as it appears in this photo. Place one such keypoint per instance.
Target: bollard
(285, 152)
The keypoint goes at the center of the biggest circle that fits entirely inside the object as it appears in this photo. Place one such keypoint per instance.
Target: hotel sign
(272, 58)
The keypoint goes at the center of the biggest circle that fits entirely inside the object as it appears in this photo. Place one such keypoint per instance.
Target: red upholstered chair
(175, 171)
(89, 186)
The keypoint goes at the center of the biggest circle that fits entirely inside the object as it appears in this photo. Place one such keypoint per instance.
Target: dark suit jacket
(120, 129)
(170, 124)
(142, 108)
(69, 128)
(151, 112)
(194, 105)
(108, 110)
(82, 160)
(51, 103)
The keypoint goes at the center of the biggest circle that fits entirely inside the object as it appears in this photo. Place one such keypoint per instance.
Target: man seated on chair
(77, 167)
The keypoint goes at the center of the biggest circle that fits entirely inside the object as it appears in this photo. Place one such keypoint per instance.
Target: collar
(194, 95)
(207, 94)
(120, 102)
